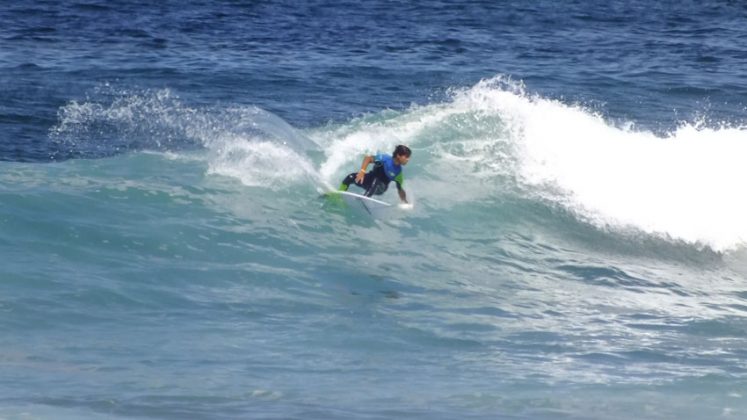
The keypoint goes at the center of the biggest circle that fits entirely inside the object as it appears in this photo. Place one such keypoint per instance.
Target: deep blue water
(576, 248)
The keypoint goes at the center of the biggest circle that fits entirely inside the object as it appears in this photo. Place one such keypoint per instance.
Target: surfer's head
(401, 154)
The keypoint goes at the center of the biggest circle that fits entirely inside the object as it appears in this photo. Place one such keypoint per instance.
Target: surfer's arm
(399, 180)
(402, 196)
(362, 173)
(402, 193)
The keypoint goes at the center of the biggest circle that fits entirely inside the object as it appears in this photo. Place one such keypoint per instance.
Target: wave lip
(481, 144)
(684, 186)
(494, 139)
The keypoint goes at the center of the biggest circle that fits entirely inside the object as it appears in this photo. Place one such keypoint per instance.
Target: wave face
(485, 143)
(494, 137)
(549, 250)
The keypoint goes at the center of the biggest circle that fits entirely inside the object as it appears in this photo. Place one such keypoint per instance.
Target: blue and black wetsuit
(377, 180)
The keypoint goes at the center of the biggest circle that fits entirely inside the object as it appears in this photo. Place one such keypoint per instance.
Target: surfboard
(369, 205)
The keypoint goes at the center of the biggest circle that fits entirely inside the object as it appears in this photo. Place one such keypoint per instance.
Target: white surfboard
(370, 205)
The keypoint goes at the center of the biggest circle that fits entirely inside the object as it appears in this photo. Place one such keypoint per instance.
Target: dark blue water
(653, 64)
(576, 248)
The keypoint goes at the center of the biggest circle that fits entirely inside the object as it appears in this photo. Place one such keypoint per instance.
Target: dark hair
(402, 150)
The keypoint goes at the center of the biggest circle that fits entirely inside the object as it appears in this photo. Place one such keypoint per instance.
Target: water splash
(245, 142)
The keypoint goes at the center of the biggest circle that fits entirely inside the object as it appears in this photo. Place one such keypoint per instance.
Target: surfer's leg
(377, 187)
(350, 179)
(347, 181)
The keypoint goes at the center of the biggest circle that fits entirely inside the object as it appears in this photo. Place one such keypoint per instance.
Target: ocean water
(577, 247)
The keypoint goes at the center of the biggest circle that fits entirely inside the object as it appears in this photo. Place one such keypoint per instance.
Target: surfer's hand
(360, 176)
(402, 196)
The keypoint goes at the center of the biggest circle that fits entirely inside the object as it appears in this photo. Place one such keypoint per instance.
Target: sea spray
(245, 142)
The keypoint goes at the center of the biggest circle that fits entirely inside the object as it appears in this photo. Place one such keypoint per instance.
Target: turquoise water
(576, 247)
(159, 284)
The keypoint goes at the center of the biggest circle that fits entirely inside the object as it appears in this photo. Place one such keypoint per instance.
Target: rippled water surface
(576, 247)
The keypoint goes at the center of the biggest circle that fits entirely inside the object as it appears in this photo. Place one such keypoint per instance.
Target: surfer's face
(401, 159)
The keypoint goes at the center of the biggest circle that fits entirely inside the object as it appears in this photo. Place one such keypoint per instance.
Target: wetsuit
(377, 180)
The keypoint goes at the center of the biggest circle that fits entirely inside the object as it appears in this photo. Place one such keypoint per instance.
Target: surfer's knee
(349, 179)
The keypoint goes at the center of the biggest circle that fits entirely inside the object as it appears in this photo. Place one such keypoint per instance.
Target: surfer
(386, 169)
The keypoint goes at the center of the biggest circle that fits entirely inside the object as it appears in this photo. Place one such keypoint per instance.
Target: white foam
(445, 138)
(259, 163)
(686, 186)
(347, 145)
